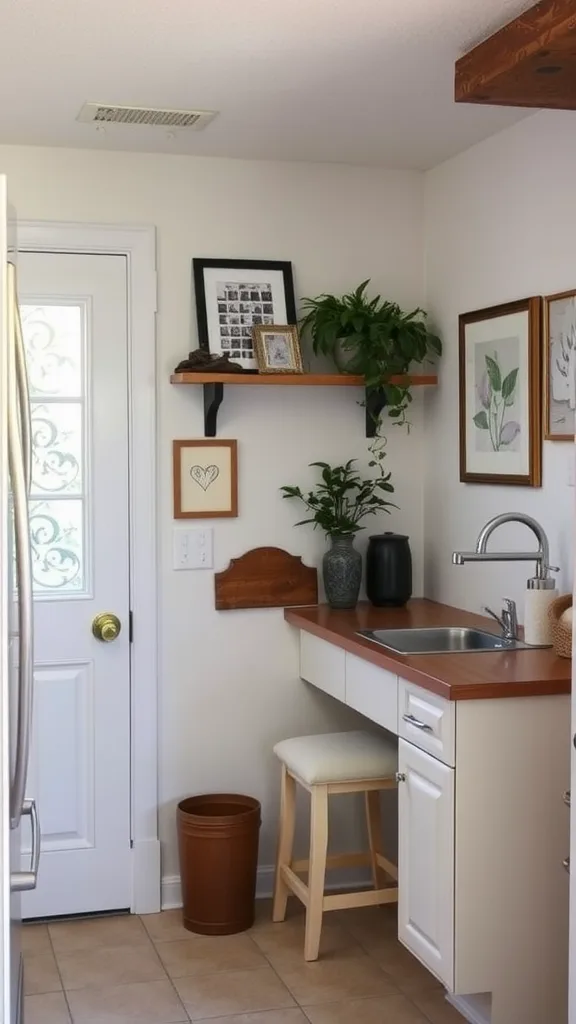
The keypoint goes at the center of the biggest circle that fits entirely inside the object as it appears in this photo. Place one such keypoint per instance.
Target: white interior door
(571, 858)
(74, 315)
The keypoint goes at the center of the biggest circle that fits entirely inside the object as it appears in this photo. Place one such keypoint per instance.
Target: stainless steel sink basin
(441, 640)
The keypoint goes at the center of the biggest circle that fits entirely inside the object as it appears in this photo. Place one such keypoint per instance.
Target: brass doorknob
(106, 627)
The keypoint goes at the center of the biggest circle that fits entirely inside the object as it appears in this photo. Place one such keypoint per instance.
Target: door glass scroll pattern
(55, 342)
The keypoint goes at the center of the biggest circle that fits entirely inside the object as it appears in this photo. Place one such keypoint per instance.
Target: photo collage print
(242, 306)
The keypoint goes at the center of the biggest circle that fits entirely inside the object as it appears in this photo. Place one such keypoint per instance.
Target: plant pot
(342, 573)
(343, 357)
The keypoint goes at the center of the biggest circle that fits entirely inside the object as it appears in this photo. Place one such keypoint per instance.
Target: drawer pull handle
(566, 797)
(417, 723)
(566, 864)
(400, 777)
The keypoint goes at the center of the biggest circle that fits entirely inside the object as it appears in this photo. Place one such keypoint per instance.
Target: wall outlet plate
(193, 548)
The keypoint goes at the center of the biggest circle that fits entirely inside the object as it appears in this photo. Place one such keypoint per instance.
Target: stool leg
(285, 843)
(317, 872)
(374, 823)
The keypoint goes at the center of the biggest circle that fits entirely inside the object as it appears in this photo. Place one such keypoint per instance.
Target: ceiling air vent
(101, 113)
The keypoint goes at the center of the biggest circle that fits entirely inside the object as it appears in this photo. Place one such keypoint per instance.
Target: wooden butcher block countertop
(478, 676)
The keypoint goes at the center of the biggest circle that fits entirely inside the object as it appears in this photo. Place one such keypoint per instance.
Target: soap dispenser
(539, 596)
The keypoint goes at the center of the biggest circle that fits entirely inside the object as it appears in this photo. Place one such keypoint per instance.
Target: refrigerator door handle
(24, 575)
(22, 380)
(23, 881)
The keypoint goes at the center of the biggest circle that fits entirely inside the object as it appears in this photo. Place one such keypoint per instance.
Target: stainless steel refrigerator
(16, 623)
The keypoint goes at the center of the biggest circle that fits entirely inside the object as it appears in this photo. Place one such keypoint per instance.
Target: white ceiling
(360, 81)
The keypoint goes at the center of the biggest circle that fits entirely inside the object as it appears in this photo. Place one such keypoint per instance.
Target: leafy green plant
(373, 338)
(342, 498)
(496, 395)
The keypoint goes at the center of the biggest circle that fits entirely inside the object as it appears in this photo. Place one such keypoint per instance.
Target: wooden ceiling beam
(531, 62)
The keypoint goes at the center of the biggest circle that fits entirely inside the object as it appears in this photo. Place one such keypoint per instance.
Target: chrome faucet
(541, 556)
(507, 620)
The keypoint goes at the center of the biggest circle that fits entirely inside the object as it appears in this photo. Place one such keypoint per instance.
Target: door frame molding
(138, 245)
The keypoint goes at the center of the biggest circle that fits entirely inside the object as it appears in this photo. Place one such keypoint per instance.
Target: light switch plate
(193, 548)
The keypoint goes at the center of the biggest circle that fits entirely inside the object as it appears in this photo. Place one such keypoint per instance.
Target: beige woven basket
(561, 633)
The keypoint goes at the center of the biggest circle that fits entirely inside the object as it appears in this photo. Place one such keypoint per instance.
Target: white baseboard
(172, 894)
(145, 876)
(475, 1009)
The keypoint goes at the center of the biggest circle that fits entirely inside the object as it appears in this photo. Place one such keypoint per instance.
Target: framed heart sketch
(500, 394)
(560, 366)
(205, 479)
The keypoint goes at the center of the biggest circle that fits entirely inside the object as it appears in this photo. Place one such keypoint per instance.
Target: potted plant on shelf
(373, 338)
(337, 505)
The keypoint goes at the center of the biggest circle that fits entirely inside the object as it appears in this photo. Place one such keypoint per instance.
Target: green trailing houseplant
(342, 498)
(373, 338)
(337, 504)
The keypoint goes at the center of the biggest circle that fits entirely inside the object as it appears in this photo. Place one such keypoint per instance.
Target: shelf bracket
(375, 402)
(213, 395)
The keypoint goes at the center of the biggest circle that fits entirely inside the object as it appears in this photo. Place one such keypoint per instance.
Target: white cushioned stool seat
(338, 757)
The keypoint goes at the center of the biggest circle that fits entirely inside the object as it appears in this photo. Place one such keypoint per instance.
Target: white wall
(229, 683)
(500, 225)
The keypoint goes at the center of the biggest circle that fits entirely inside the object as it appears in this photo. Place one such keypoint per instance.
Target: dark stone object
(200, 361)
(342, 572)
(388, 570)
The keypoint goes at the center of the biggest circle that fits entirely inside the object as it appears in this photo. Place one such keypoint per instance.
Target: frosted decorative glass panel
(57, 447)
(56, 529)
(55, 341)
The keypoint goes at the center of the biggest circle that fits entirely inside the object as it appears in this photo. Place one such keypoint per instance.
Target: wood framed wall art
(501, 394)
(205, 479)
(233, 296)
(560, 366)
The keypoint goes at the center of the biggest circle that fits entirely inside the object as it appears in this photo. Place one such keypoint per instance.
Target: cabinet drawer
(372, 691)
(323, 665)
(427, 721)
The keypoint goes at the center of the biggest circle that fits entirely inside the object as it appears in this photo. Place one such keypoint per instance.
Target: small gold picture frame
(277, 349)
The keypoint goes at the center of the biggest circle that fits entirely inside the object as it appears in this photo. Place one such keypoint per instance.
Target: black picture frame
(200, 265)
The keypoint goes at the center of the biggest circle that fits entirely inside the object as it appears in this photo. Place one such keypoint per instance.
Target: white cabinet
(372, 691)
(426, 860)
(323, 665)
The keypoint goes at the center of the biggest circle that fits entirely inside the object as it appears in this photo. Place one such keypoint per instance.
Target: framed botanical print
(205, 479)
(500, 394)
(560, 366)
(233, 297)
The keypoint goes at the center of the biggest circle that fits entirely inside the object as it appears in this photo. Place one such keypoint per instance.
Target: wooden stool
(341, 762)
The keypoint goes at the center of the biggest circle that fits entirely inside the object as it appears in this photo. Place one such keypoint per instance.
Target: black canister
(388, 570)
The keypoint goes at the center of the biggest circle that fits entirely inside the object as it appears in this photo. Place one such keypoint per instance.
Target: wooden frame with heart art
(205, 479)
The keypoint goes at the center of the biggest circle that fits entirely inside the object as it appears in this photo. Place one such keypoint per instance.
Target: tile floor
(149, 970)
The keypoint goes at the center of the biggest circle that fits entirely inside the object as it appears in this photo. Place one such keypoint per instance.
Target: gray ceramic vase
(342, 572)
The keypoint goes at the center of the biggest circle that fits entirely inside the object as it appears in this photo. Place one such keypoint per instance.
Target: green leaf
(494, 375)
(435, 344)
(481, 420)
(509, 383)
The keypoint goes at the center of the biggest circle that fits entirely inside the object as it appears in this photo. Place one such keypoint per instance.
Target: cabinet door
(426, 860)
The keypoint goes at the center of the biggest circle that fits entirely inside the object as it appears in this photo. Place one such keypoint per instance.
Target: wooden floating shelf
(213, 385)
(301, 379)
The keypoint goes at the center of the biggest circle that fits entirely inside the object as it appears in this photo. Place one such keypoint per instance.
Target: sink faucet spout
(542, 556)
(481, 554)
